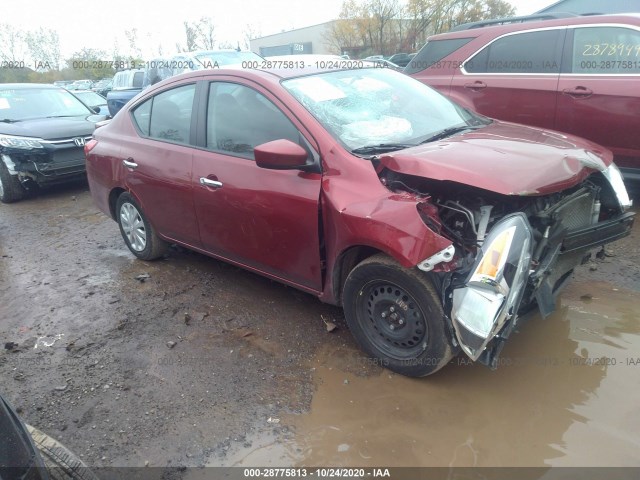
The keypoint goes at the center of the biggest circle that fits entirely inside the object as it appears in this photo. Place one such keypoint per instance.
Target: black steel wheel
(395, 315)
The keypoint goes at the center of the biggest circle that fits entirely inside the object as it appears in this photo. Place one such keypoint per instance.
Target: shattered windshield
(365, 108)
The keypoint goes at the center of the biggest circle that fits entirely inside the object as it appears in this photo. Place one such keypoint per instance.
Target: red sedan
(431, 225)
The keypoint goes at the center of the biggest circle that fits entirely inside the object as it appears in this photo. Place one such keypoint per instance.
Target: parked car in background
(579, 75)
(401, 59)
(431, 225)
(62, 83)
(93, 100)
(43, 130)
(126, 85)
(160, 68)
(80, 85)
(102, 87)
(386, 64)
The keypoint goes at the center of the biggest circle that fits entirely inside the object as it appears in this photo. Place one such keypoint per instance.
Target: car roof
(496, 30)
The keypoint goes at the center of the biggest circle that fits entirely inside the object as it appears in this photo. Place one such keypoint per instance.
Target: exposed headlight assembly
(493, 292)
(25, 143)
(613, 174)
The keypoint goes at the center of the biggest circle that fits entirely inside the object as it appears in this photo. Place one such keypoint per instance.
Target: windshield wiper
(381, 148)
(9, 120)
(60, 116)
(447, 132)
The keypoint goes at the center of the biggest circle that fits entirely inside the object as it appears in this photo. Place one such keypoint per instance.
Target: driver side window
(239, 118)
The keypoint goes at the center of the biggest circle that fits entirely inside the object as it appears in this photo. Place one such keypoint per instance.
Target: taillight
(89, 145)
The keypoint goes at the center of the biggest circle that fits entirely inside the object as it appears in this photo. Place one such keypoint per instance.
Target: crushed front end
(512, 252)
(43, 161)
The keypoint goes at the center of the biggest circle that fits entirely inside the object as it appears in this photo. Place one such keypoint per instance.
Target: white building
(313, 39)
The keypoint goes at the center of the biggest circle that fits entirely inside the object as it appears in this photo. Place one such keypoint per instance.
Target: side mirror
(280, 155)
(95, 109)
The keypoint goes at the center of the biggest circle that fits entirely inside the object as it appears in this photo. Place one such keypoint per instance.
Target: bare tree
(204, 33)
(12, 44)
(132, 39)
(250, 32)
(382, 13)
(387, 26)
(44, 48)
(191, 35)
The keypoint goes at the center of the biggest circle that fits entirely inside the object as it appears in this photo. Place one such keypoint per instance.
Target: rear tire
(61, 463)
(138, 233)
(11, 189)
(395, 315)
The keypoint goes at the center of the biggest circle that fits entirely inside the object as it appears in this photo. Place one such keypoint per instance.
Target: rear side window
(530, 52)
(603, 50)
(141, 117)
(167, 116)
(433, 52)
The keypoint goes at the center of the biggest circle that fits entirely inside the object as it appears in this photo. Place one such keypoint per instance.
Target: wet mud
(190, 361)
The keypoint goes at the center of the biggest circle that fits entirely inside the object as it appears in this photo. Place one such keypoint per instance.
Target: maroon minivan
(579, 75)
(431, 225)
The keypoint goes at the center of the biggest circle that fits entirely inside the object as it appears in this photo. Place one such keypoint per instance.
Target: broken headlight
(493, 291)
(612, 173)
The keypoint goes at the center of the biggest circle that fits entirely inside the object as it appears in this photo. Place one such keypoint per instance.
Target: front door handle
(475, 86)
(578, 92)
(129, 163)
(210, 183)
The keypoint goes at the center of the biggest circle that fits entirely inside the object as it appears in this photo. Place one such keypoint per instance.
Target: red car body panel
(548, 161)
(609, 116)
(604, 108)
(265, 219)
(296, 226)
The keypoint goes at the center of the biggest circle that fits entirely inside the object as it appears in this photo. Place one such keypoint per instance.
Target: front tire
(61, 463)
(11, 189)
(137, 232)
(395, 316)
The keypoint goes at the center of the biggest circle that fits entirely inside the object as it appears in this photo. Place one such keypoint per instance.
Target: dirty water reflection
(567, 394)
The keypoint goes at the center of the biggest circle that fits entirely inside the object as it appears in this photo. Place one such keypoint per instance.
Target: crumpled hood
(505, 158)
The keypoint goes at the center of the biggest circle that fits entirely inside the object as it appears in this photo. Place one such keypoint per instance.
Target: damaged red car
(432, 226)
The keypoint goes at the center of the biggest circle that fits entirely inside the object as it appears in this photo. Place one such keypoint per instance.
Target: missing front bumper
(485, 309)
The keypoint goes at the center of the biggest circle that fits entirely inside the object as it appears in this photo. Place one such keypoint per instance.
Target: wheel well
(347, 262)
(113, 199)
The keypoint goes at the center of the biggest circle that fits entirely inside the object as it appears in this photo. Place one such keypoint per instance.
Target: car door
(514, 78)
(599, 89)
(158, 162)
(267, 220)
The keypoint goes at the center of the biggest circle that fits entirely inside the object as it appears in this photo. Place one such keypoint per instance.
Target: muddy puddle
(567, 393)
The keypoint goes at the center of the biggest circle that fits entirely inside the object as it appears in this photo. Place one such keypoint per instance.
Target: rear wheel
(11, 189)
(395, 315)
(138, 233)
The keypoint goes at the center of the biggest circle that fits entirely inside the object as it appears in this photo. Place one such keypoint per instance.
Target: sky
(101, 25)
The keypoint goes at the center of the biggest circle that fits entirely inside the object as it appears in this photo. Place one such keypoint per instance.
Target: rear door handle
(477, 85)
(129, 163)
(207, 182)
(578, 92)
